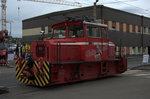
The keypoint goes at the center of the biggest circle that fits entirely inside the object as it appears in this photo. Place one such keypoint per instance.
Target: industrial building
(130, 31)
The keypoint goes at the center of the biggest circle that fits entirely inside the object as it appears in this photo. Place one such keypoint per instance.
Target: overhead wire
(147, 10)
(119, 2)
(132, 5)
(115, 1)
(124, 2)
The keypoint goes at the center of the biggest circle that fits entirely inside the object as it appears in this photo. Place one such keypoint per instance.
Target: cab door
(94, 49)
(104, 42)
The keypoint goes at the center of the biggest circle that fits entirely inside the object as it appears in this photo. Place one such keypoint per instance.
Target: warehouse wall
(123, 26)
(128, 39)
(31, 32)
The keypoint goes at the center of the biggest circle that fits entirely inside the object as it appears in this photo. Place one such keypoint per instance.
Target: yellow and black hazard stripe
(19, 71)
(40, 80)
(16, 62)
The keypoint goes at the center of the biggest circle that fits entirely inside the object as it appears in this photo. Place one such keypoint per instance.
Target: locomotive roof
(85, 22)
(92, 23)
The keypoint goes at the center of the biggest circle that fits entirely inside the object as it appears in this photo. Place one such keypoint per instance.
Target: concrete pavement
(133, 84)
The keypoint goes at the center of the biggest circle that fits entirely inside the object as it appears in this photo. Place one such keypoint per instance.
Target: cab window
(75, 30)
(59, 32)
(104, 33)
(92, 31)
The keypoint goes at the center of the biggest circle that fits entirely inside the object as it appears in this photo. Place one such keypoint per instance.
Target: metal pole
(10, 29)
(102, 21)
(142, 44)
(94, 11)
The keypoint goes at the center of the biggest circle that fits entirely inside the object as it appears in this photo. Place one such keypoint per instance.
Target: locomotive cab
(80, 31)
(85, 33)
(78, 50)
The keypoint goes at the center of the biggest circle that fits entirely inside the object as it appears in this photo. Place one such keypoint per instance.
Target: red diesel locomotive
(78, 50)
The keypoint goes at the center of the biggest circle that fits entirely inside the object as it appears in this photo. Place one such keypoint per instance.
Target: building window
(139, 50)
(117, 50)
(124, 27)
(144, 50)
(133, 28)
(124, 50)
(121, 26)
(127, 50)
(106, 22)
(139, 29)
(43, 28)
(49, 30)
(113, 25)
(127, 27)
(144, 29)
(149, 30)
(132, 50)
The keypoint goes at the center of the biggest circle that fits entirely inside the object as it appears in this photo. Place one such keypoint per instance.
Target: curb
(141, 67)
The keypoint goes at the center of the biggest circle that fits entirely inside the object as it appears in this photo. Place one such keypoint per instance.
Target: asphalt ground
(133, 84)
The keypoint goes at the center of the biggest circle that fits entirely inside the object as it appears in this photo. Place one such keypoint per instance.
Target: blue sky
(31, 9)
